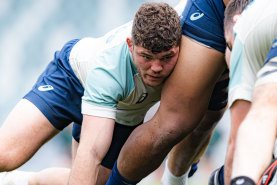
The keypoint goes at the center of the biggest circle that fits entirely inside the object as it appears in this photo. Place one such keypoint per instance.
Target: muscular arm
(96, 137)
(257, 133)
(238, 111)
(184, 101)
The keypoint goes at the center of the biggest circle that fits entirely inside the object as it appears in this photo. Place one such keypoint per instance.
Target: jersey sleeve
(102, 93)
(242, 77)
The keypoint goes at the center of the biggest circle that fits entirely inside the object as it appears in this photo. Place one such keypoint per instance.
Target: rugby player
(250, 41)
(103, 85)
(253, 33)
(193, 101)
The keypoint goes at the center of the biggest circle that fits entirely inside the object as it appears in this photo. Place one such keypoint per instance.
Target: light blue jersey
(113, 86)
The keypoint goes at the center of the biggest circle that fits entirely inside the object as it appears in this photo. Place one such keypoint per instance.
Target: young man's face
(153, 68)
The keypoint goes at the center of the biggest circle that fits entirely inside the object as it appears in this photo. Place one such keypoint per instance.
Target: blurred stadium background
(31, 31)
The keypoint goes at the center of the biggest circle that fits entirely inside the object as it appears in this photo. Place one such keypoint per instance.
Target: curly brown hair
(156, 27)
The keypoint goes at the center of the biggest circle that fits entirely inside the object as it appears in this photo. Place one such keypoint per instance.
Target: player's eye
(167, 58)
(147, 57)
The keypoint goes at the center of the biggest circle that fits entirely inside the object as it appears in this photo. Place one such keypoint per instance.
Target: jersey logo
(195, 16)
(45, 88)
(239, 181)
(142, 98)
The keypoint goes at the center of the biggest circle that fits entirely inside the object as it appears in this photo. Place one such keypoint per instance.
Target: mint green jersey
(113, 86)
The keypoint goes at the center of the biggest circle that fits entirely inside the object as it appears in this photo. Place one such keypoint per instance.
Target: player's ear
(236, 18)
(130, 43)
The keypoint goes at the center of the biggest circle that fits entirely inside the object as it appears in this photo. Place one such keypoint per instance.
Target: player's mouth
(154, 78)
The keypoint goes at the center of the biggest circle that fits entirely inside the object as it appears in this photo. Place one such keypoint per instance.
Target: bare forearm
(229, 161)
(254, 149)
(257, 134)
(238, 111)
(84, 170)
(96, 137)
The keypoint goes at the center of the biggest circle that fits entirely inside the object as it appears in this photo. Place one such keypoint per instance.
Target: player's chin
(154, 83)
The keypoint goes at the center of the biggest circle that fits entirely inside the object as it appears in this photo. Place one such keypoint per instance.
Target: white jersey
(254, 33)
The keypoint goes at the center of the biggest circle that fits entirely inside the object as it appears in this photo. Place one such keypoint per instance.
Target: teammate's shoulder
(118, 35)
(86, 42)
(85, 48)
(180, 6)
